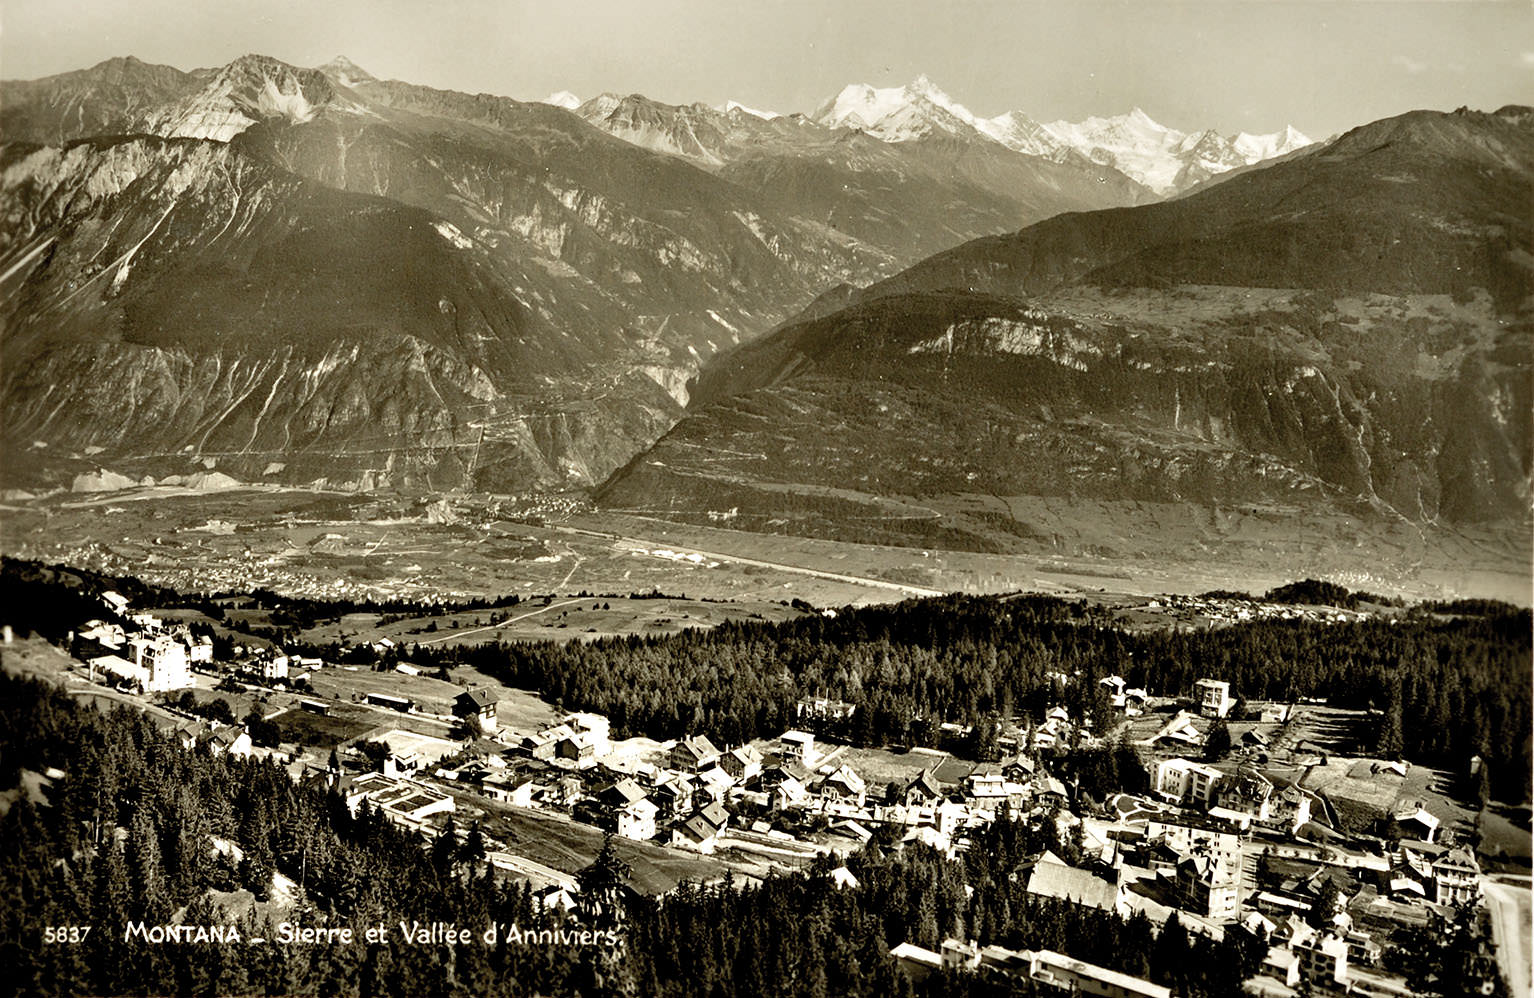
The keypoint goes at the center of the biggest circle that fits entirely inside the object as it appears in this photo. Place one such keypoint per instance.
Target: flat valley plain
(308, 543)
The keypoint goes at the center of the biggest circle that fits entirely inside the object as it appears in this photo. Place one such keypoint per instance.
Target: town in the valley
(1248, 819)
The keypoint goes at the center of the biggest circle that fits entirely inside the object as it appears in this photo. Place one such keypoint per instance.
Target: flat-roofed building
(165, 662)
(1188, 782)
(1213, 697)
(798, 747)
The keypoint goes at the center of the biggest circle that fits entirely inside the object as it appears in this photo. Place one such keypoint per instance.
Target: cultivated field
(561, 619)
(565, 845)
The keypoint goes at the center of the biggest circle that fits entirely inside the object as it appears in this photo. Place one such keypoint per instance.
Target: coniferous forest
(1447, 686)
(1450, 681)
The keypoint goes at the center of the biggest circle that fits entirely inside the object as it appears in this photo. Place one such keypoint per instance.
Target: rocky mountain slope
(113, 98)
(1332, 348)
(604, 271)
(911, 198)
(172, 303)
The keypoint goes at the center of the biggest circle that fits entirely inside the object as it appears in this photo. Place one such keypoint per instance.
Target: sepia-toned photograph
(778, 499)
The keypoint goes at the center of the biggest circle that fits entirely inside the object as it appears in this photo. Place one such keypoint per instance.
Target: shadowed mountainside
(1338, 343)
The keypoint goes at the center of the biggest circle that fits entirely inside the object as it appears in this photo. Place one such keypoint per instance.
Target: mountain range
(1163, 159)
(617, 245)
(888, 320)
(1332, 348)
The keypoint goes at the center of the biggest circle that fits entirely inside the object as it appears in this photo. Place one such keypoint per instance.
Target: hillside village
(1242, 823)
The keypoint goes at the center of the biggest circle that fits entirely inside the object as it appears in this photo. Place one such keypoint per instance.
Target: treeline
(1311, 592)
(1447, 689)
(128, 833)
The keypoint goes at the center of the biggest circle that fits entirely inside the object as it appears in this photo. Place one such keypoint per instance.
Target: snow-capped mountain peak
(346, 72)
(1255, 148)
(561, 98)
(731, 105)
(896, 114)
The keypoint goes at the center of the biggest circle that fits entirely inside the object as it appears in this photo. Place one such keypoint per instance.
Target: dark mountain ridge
(1423, 203)
(1338, 343)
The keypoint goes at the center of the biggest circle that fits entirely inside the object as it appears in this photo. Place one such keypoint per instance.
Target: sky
(1234, 65)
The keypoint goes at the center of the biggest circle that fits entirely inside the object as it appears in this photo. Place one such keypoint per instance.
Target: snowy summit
(1164, 159)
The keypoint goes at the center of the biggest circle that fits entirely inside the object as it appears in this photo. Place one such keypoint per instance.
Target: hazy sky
(1322, 65)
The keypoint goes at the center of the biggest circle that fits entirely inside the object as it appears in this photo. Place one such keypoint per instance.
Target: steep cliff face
(373, 283)
(175, 301)
(1376, 409)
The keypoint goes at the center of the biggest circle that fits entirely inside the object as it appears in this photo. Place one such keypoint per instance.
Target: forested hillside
(1448, 687)
(1450, 680)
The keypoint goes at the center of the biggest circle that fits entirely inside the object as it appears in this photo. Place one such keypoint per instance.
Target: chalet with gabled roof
(478, 707)
(923, 790)
(693, 755)
(743, 763)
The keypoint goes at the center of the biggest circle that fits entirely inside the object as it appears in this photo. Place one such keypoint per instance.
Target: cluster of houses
(1221, 845)
(1237, 610)
(1217, 845)
(139, 651)
(1233, 842)
(1045, 969)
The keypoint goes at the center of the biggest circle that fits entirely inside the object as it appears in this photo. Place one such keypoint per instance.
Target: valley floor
(318, 544)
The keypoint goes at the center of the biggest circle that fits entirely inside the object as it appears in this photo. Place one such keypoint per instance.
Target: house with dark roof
(673, 796)
(778, 772)
(923, 790)
(696, 834)
(844, 785)
(577, 747)
(1209, 885)
(230, 739)
(1052, 877)
(478, 706)
(621, 794)
(715, 814)
(743, 763)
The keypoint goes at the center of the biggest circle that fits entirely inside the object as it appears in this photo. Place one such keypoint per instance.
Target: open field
(566, 845)
(34, 658)
(880, 766)
(322, 731)
(565, 619)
